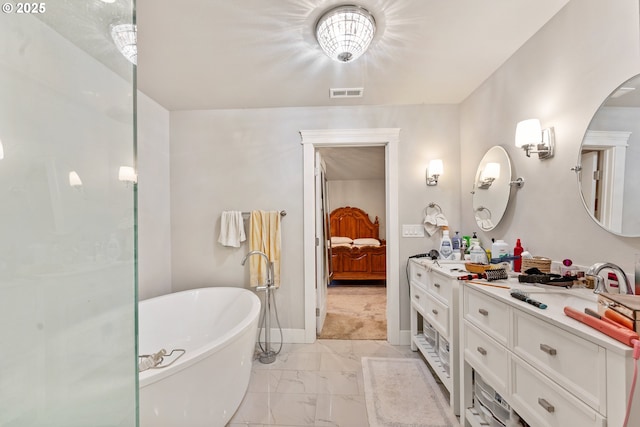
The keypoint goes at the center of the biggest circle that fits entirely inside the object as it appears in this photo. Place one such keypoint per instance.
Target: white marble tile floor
(317, 384)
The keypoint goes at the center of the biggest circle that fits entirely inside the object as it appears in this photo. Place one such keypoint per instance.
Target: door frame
(389, 138)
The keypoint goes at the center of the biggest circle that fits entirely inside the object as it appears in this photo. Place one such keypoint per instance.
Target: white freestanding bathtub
(217, 327)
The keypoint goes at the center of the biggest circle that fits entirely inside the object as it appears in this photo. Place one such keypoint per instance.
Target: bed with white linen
(357, 252)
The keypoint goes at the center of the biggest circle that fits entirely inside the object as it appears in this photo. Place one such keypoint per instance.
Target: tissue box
(628, 306)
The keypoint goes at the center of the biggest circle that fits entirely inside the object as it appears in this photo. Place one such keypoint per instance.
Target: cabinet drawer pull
(419, 274)
(434, 311)
(547, 349)
(546, 405)
(483, 312)
(482, 351)
(437, 285)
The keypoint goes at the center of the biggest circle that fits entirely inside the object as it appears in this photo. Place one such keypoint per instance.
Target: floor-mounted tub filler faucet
(267, 355)
(600, 287)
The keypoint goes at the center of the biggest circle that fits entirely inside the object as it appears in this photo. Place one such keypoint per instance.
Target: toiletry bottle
(517, 252)
(478, 255)
(446, 247)
(499, 249)
(456, 241)
(612, 283)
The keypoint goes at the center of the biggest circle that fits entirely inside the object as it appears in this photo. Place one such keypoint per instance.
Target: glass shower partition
(67, 216)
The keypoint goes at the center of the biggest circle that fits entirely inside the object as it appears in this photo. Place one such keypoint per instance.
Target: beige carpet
(403, 393)
(356, 313)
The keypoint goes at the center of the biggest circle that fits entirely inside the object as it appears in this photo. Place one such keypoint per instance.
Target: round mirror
(491, 188)
(607, 164)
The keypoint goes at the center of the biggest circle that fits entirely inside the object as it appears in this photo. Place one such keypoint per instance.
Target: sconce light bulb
(127, 174)
(74, 179)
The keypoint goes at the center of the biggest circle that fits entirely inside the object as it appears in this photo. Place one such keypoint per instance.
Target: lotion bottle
(446, 247)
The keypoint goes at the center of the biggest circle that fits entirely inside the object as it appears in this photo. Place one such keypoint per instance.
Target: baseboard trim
(289, 336)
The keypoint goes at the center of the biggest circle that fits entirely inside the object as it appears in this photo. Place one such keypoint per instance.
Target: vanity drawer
(438, 315)
(543, 403)
(487, 313)
(573, 362)
(419, 299)
(439, 286)
(486, 356)
(418, 273)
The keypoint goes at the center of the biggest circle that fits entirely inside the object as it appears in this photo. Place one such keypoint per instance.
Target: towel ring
(432, 205)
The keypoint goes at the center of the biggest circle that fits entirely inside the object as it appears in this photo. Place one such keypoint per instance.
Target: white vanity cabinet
(551, 369)
(434, 295)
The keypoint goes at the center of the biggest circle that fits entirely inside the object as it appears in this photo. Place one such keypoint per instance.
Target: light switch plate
(412, 230)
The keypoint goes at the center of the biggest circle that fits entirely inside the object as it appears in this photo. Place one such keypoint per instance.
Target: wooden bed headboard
(353, 223)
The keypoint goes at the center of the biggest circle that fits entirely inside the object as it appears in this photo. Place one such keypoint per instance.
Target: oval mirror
(610, 149)
(491, 188)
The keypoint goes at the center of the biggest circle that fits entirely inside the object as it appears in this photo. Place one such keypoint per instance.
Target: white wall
(366, 194)
(561, 75)
(252, 159)
(154, 210)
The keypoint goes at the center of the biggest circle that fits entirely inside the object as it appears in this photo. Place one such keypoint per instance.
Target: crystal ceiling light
(345, 32)
(124, 36)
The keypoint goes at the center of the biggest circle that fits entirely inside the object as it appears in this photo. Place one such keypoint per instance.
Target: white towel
(232, 229)
(433, 221)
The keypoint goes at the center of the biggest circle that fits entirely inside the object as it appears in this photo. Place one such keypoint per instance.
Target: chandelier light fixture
(125, 38)
(345, 32)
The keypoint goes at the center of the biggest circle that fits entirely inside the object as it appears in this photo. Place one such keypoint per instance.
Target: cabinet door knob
(419, 274)
(437, 285)
(546, 405)
(548, 349)
(483, 312)
(417, 296)
(482, 351)
(434, 311)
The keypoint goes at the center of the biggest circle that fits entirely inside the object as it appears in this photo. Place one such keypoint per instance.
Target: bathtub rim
(150, 376)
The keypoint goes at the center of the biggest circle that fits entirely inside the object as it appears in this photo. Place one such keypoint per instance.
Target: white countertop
(555, 298)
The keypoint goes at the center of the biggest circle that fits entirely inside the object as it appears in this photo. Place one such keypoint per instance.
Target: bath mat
(403, 393)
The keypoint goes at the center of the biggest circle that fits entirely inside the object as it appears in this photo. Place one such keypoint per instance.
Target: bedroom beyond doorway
(356, 310)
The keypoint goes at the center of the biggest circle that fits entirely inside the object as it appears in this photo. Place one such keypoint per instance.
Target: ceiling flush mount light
(434, 171)
(533, 139)
(345, 32)
(125, 38)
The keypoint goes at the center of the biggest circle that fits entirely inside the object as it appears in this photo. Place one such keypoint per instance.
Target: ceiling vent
(349, 92)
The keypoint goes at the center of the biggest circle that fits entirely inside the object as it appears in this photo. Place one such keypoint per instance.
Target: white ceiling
(210, 54)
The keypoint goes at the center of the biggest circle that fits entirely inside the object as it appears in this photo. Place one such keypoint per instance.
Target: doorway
(387, 138)
(355, 300)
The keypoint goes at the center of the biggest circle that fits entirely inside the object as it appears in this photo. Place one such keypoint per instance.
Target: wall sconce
(127, 174)
(533, 139)
(490, 173)
(434, 170)
(74, 180)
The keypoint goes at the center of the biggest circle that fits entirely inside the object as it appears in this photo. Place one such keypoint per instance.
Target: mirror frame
(502, 183)
(610, 167)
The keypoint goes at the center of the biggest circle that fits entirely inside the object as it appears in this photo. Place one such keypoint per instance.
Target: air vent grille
(349, 92)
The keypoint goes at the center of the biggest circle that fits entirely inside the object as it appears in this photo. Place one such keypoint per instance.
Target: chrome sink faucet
(594, 271)
(269, 267)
